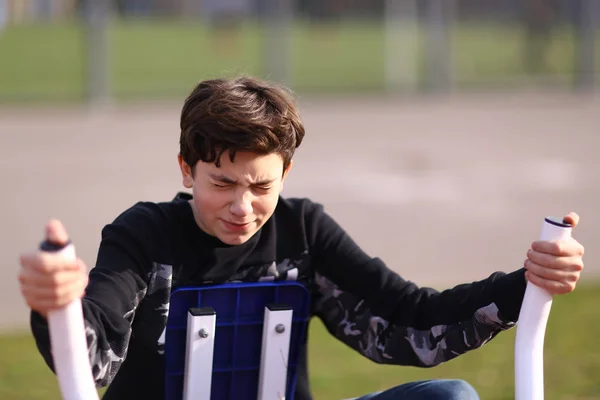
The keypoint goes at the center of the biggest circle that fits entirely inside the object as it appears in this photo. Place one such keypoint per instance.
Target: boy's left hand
(555, 265)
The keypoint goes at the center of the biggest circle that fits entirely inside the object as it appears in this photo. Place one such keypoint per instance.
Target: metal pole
(401, 45)
(3, 14)
(439, 14)
(587, 25)
(96, 15)
(278, 21)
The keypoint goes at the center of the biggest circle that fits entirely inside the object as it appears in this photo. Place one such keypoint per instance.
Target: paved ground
(445, 190)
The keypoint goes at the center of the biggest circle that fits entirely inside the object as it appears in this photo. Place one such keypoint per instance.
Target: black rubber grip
(558, 222)
(52, 247)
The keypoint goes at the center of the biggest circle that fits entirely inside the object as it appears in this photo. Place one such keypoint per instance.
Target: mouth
(236, 226)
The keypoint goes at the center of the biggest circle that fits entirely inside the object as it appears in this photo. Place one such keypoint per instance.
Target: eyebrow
(222, 178)
(225, 179)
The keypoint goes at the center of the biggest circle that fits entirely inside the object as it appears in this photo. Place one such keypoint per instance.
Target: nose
(241, 206)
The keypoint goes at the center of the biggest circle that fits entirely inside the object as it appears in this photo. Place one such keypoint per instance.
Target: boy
(238, 138)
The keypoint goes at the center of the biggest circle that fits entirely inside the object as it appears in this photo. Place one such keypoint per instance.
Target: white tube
(531, 327)
(69, 347)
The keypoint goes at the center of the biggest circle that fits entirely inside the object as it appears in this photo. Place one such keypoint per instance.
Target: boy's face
(233, 201)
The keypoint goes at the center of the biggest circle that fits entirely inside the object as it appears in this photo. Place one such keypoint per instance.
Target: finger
(553, 287)
(45, 306)
(38, 281)
(30, 276)
(571, 218)
(56, 295)
(47, 262)
(572, 263)
(40, 276)
(551, 273)
(563, 248)
(56, 233)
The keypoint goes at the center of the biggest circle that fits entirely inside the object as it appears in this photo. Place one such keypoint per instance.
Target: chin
(236, 239)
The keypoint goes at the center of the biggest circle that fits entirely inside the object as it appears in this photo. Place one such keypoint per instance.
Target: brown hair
(241, 114)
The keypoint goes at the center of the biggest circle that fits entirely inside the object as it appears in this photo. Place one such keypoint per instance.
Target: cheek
(209, 202)
(265, 205)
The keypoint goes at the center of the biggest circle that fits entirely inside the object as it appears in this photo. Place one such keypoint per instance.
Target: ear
(186, 172)
(285, 174)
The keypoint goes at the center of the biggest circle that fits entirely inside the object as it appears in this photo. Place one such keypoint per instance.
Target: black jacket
(154, 247)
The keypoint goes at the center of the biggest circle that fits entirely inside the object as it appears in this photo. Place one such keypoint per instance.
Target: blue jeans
(443, 389)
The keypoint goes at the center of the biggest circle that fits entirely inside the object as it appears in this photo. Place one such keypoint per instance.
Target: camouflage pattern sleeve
(349, 319)
(391, 320)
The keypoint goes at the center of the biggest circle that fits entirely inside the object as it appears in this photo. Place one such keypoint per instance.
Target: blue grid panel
(239, 310)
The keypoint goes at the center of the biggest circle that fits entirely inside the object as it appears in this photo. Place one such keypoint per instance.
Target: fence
(106, 50)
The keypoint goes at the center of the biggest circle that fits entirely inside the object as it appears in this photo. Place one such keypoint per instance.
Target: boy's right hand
(49, 280)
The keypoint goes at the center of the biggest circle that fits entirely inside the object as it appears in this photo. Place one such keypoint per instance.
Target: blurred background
(84, 50)
(439, 134)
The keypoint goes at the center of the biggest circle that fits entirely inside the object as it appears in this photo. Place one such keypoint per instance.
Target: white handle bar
(69, 345)
(531, 327)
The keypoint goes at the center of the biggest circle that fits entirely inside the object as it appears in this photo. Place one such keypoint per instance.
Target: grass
(572, 361)
(163, 58)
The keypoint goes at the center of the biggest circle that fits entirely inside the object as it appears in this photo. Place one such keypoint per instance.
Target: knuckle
(556, 263)
(55, 280)
(530, 265)
(574, 264)
(534, 267)
(569, 287)
(45, 267)
(28, 258)
(565, 287)
(546, 260)
(55, 295)
(559, 247)
(533, 277)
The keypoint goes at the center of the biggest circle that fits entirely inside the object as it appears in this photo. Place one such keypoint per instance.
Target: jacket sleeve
(391, 320)
(116, 286)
